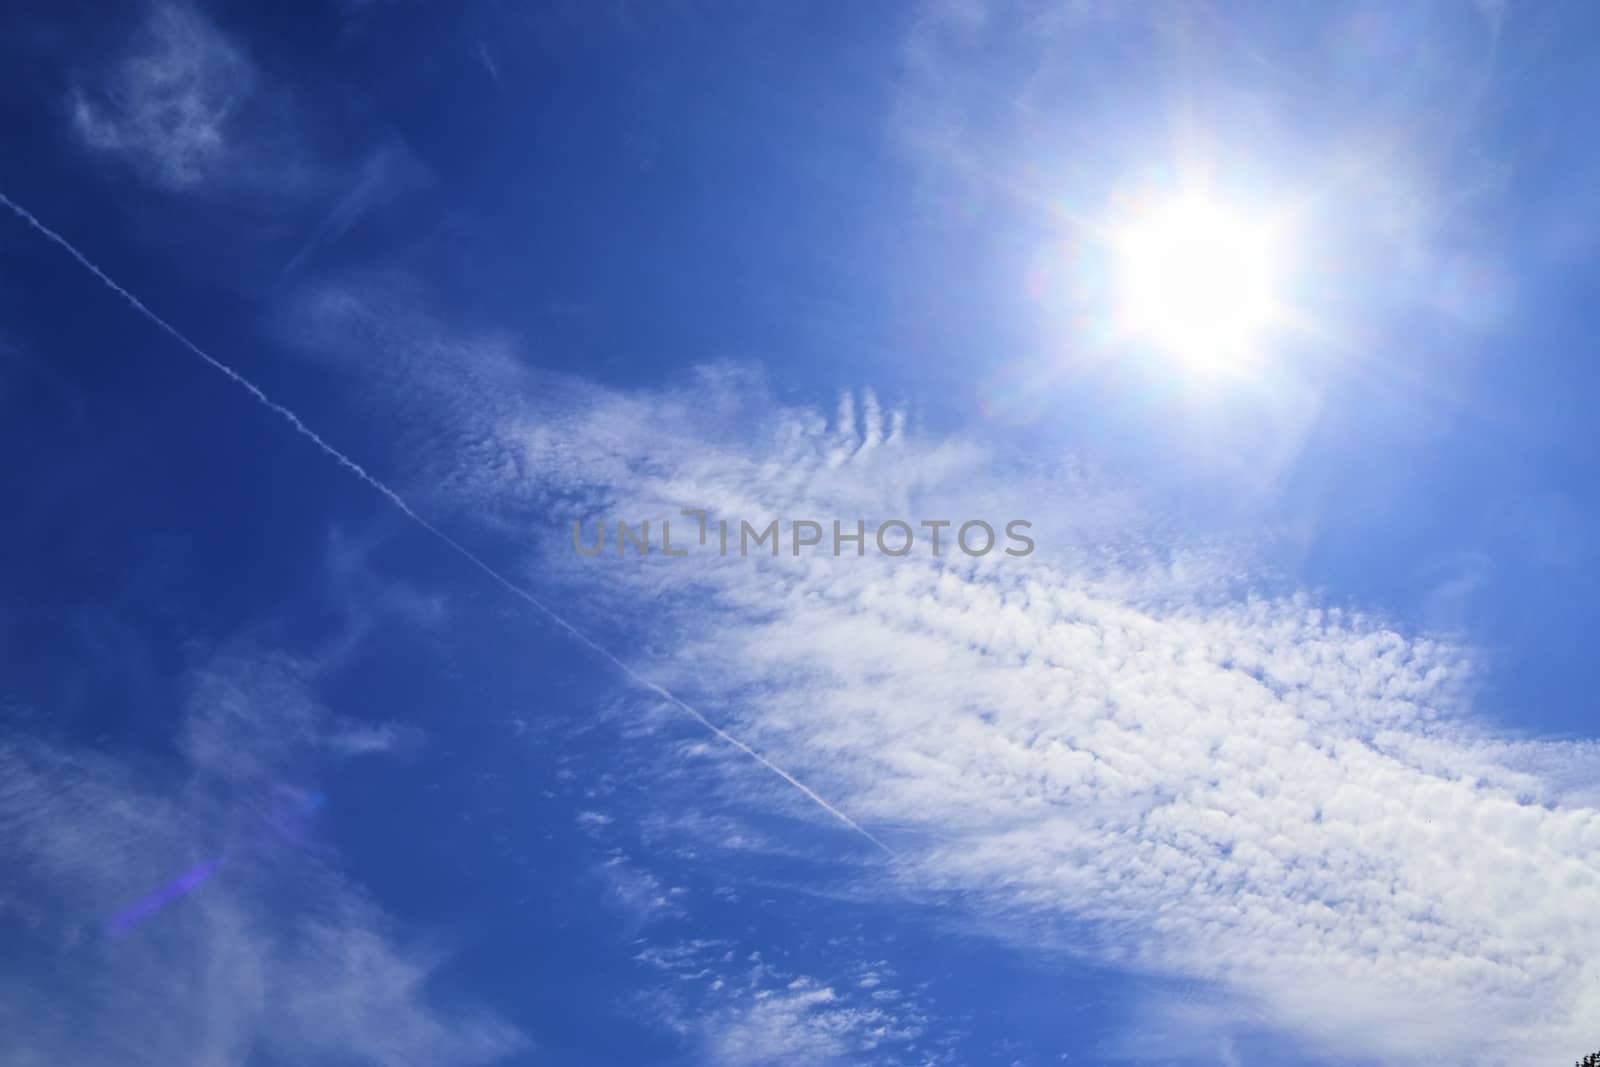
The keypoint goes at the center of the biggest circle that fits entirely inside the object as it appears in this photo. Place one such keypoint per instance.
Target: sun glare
(1199, 280)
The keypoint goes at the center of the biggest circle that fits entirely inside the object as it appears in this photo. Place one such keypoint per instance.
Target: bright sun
(1199, 280)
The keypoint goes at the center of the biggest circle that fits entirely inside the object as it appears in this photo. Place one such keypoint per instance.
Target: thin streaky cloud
(194, 914)
(406, 509)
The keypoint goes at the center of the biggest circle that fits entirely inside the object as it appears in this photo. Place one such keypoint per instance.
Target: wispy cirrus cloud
(741, 1010)
(167, 105)
(1119, 747)
(185, 108)
(261, 952)
(390, 170)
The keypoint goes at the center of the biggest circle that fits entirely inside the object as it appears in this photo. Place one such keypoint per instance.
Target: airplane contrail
(406, 509)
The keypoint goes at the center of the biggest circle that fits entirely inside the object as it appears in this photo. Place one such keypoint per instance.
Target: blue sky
(320, 328)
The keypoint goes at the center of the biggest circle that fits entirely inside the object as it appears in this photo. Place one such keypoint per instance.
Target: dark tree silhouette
(1591, 1060)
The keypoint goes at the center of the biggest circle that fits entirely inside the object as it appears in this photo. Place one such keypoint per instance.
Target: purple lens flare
(185, 883)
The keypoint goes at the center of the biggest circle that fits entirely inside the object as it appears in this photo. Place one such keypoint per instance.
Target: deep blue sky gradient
(637, 191)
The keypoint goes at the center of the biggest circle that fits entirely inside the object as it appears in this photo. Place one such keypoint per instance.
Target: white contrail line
(399, 502)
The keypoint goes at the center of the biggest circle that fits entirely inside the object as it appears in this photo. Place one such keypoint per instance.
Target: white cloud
(166, 106)
(481, 51)
(1116, 746)
(391, 170)
(271, 956)
(226, 736)
(636, 893)
(1236, 792)
(187, 109)
(741, 1011)
(1259, 792)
